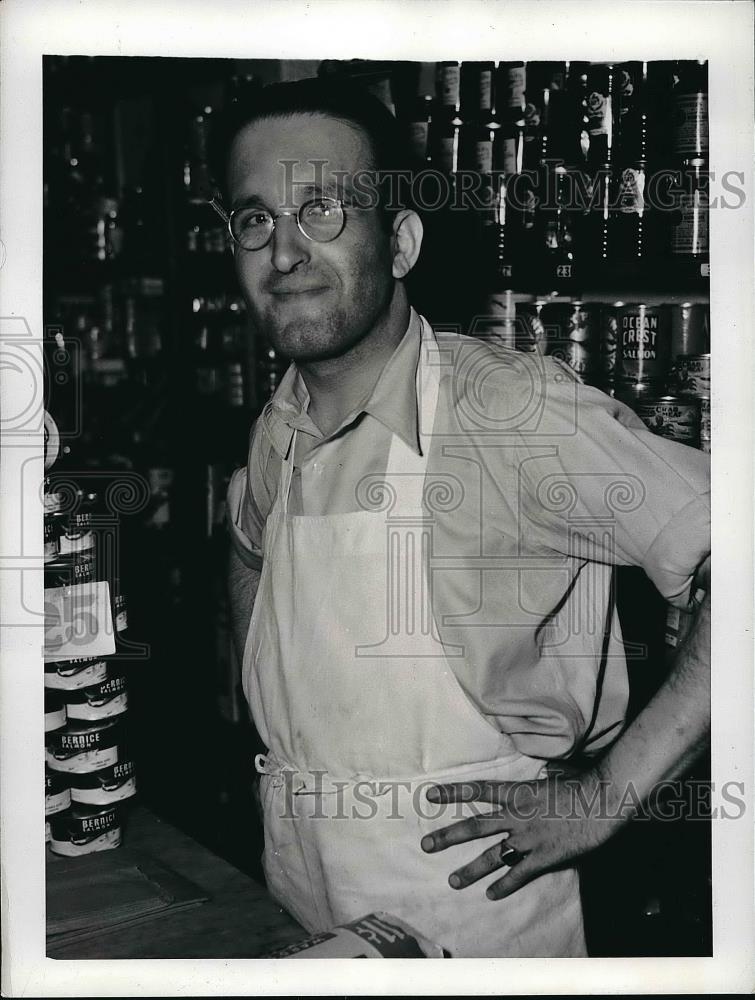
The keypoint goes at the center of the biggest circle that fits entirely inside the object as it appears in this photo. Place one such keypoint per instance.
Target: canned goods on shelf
(530, 332)
(693, 374)
(57, 793)
(53, 528)
(77, 534)
(55, 710)
(690, 328)
(71, 569)
(81, 747)
(70, 675)
(673, 417)
(705, 431)
(609, 341)
(120, 613)
(101, 701)
(85, 830)
(644, 343)
(105, 787)
(573, 331)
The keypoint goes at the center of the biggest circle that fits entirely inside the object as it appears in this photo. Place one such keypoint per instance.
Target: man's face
(311, 300)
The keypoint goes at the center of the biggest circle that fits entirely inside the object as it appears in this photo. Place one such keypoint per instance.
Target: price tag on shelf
(705, 270)
(78, 622)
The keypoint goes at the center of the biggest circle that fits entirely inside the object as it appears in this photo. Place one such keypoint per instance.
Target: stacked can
(573, 336)
(643, 356)
(89, 771)
(689, 376)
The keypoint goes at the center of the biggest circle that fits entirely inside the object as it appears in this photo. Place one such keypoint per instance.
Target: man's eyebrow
(247, 200)
(329, 188)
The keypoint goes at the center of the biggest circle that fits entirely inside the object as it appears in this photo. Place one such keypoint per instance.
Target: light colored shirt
(536, 486)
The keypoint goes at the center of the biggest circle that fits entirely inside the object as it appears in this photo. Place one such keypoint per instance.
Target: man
(425, 530)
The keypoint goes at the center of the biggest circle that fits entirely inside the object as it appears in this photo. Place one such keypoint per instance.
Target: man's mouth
(291, 290)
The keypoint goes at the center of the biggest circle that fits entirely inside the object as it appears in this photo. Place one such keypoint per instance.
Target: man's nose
(289, 245)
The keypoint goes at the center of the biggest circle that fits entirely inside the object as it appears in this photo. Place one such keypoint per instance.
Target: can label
(121, 614)
(445, 158)
(485, 90)
(87, 760)
(690, 128)
(631, 195)
(598, 114)
(705, 417)
(644, 345)
(483, 161)
(75, 833)
(509, 156)
(448, 85)
(55, 719)
(74, 540)
(100, 708)
(678, 419)
(81, 748)
(57, 801)
(417, 134)
(115, 784)
(75, 674)
(576, 355)
(516, 84)
(530, 332)
(582, 326)
(690, 329)
(689, 231)
(693, 374)
(609, 343)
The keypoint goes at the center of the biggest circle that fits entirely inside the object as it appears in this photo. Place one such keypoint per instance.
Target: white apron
(362, 716)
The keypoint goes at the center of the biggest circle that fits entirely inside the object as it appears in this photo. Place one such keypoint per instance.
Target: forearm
(674, 727)
(242, 589)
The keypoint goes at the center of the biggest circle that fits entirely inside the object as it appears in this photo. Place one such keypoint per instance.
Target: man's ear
(406, 241)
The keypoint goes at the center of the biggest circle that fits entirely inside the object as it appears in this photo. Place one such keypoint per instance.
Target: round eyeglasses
(251, 227)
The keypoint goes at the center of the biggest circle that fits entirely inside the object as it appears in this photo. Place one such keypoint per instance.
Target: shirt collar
(393, 400)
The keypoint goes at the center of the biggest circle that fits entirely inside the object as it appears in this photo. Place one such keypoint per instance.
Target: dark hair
(343, 99)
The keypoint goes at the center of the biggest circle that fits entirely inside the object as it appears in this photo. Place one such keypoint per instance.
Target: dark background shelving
(648, 891)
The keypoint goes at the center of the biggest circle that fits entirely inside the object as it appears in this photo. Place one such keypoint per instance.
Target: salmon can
(70, 570)
(530, 331)
(672, 417)
(57, 793)
(85, 830)
(704, 417)
(81, 747)
(70, 675)
(690, 328)
(100, 701)
(55, 710)
(609, 342)
(693, 374)
(105, 787)
(643, 353)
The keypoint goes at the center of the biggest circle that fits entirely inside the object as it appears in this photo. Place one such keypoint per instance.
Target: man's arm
(242, 589)
(544, 826)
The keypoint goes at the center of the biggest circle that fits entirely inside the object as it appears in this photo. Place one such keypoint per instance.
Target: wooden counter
(238, 920)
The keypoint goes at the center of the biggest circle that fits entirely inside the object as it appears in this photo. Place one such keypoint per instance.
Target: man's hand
(547, 823)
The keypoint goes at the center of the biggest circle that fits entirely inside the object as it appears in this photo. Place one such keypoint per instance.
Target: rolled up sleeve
(242, 525)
